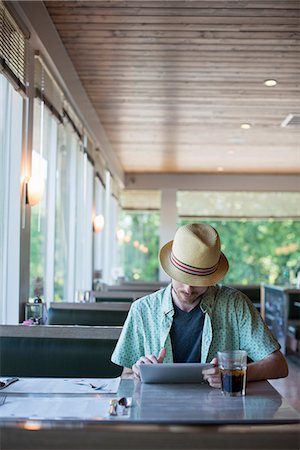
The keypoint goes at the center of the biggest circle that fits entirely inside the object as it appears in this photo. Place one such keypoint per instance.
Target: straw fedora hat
(194, 256)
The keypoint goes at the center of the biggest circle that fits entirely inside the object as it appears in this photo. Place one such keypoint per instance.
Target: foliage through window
(139, 245)
(259, 251)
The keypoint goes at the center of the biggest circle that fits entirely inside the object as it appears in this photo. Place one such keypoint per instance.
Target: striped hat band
(190, 269)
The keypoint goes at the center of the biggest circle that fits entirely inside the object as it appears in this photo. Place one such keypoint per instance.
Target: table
(161, 417)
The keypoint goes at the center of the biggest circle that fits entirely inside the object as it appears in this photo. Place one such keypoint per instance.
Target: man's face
(186, 293)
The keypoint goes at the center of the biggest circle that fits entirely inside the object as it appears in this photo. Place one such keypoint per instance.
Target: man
(193, 318)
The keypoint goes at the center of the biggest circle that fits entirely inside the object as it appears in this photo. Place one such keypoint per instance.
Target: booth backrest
(119, 296)
(54, 351)
(102, 314)
(252, 291)
(128, 286)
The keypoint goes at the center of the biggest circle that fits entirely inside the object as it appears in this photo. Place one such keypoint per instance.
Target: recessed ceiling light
(230, 152)
(270, 83)
(245, 126)
(220, 169)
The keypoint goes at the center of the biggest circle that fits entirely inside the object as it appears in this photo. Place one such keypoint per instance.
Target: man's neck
(185, 306)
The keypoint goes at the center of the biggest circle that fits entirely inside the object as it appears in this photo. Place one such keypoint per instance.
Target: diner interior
(121, 121)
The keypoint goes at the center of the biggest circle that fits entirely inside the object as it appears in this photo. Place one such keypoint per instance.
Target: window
(11, 114)
(259, 231)
(12, 48)
(42, 224)
(99, 237)
(83, 220)
(139, 234)
(65, 213)
(259, 251)
(139, 245)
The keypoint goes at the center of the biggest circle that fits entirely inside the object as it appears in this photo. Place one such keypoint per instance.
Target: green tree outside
(143, 228)
(259, 251)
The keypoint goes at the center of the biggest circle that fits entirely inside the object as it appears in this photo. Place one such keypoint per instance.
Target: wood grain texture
(171, 81)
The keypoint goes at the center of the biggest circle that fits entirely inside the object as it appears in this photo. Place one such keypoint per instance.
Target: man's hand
(148, 359)
(213, 375)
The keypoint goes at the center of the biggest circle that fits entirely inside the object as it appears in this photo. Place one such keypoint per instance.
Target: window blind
(141, 200)
(74, 120)
(100, 165)
(12, 49)
(238, 204)
(115, 189)
(46, 88)
(89, 147)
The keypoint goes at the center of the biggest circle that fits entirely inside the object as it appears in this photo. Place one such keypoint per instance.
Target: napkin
(4, 382)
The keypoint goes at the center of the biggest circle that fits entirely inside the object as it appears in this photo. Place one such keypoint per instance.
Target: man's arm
(127, 373)
(149, 359)
(272, 366)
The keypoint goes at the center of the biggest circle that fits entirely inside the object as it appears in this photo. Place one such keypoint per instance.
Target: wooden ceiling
(172, 81)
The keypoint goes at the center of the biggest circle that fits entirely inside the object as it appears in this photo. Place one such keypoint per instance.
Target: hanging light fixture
(127, 238)
(120, 233)
(98, 223)
(34, 189)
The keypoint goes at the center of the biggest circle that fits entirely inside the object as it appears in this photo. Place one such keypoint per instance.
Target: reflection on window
(138, 236)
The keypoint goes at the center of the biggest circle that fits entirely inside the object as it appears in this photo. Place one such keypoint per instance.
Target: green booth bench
(91, 314)
(118, 296)
(58, 351)
(252, 292)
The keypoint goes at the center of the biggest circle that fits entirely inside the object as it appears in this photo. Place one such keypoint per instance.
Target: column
(168, 222)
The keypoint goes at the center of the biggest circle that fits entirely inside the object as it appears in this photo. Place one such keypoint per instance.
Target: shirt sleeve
(255, 336)
(130, 346)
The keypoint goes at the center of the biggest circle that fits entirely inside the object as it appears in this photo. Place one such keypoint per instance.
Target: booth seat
(132, 291)
(101, 314)
(137, 286)
(119, 296)
(252, 291)
(58, 351)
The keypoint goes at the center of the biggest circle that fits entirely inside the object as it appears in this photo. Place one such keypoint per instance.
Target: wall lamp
(34, 189)
(98, 223)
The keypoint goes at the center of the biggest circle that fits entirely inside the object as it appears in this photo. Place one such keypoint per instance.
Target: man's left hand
(212, 375)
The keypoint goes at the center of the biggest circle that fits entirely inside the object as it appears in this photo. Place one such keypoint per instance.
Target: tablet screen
(173, 372)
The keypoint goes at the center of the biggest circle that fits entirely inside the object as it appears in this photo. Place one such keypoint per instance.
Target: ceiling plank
(174, 80)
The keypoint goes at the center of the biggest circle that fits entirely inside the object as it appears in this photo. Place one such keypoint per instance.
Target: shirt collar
(206, 303)
(208, 299)
(167, 304)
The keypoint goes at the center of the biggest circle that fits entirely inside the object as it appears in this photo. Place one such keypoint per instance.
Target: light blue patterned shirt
(231, 323)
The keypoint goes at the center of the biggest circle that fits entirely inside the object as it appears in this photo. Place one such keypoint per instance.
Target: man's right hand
(148, 359)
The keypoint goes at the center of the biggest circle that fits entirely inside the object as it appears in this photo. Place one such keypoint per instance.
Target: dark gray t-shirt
(186, 334)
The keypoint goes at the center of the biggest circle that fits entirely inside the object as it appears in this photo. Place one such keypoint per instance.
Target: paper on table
(64, 386)
(4, 382)
(58, 408)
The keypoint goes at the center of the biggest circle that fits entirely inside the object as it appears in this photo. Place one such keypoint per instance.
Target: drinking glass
(233, 368)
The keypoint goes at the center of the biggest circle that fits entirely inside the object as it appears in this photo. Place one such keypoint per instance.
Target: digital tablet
(173, 372)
